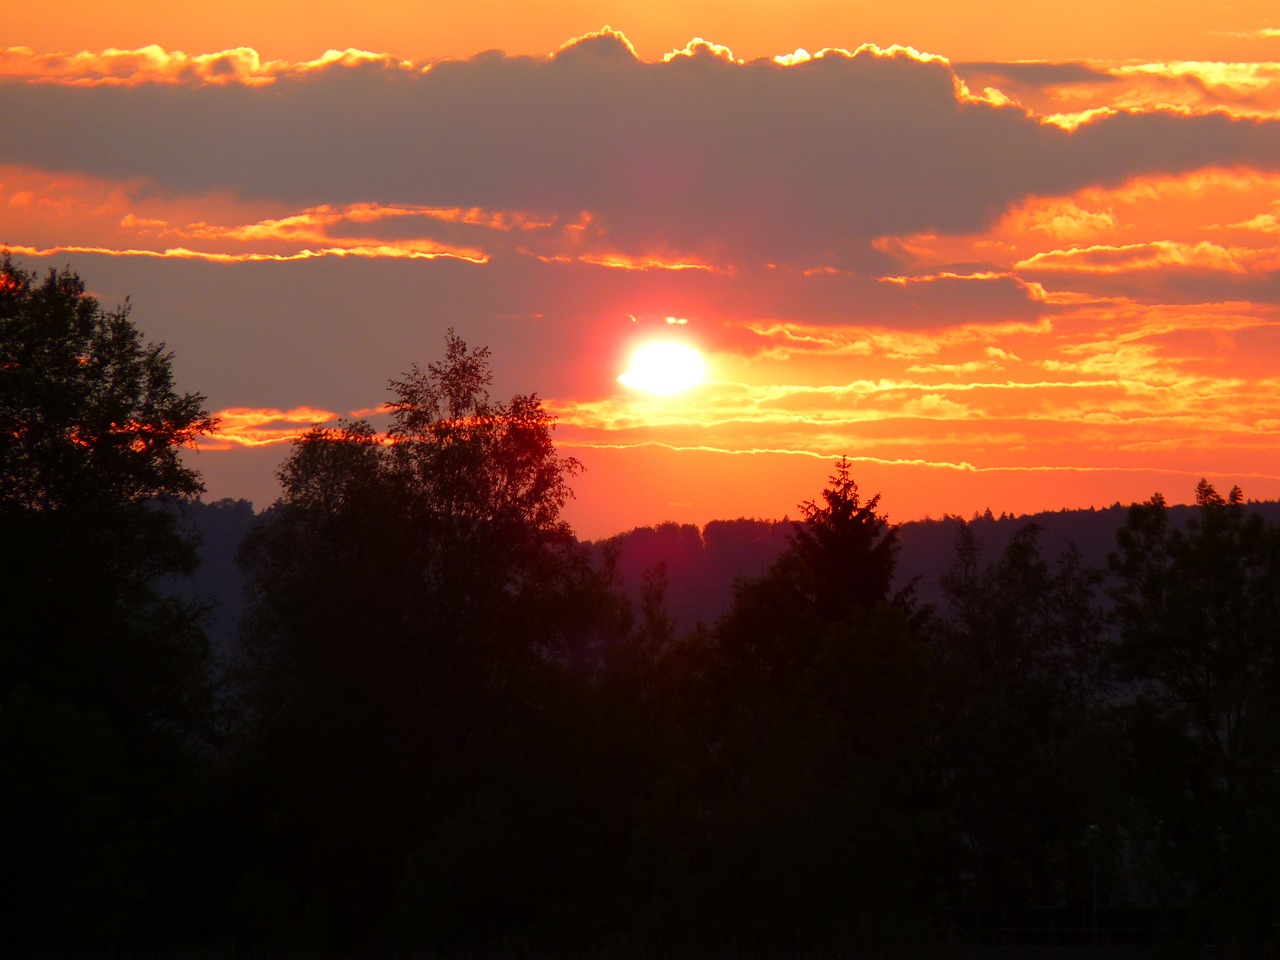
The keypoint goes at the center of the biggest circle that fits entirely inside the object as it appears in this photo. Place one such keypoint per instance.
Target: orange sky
(1019, 262)
(978, 30)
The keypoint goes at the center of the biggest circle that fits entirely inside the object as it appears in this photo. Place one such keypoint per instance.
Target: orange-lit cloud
(184, 253)
(153, 64)
(1030, 282)
(246, 427)
(1158, 254)
(128, 219)
(697, 47)
(1072, 93)
(684, 156)
(623, 262)
(1096, 394)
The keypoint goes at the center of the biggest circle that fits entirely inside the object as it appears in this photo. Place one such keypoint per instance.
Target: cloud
(1163, 271)
(1071, 91)
(697, 159)
(1066, 220)
(1033, 74)
(1262, 33)
(261, 427)
(1156, 255)
(1260, 223)
(155, 65)
(374, 252)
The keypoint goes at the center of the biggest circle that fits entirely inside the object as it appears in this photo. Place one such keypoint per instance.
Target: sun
(664, 367)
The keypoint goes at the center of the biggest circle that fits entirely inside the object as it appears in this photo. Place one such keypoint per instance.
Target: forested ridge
(445, 727)
(701, 565)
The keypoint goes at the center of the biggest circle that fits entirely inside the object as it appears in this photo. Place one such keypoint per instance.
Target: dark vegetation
(446, 728)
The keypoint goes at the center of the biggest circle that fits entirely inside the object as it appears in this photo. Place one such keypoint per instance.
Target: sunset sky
(1006, 255)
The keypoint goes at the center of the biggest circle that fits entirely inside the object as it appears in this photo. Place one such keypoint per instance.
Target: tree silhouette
(1197, 612)
(89, 415)
(811, 722)
(417, 607)
(472, 459)
(844, 553)
(1021, 682)
(103, 677)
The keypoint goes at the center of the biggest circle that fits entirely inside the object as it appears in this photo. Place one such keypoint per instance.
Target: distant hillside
(701, 566)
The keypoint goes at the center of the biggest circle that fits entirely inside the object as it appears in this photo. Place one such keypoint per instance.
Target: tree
(89, 415)
(483, 489)
(417, 611)
(809, 716)
(103, 677)
(91, 431)
(1197, 611)
(473, 459)
(844, 552)
(1019, 662)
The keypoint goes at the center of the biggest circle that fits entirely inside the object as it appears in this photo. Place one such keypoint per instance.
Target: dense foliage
(448, 732)
(105, 698)
(413, 607)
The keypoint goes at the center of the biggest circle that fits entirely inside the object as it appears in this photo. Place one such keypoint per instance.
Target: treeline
(701, 565)
(448, 732)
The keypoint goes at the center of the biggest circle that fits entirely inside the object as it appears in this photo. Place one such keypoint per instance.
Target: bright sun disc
(664, 368)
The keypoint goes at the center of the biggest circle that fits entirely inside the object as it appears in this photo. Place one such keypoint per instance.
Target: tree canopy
(1197, 612)
(410, 596)
(89, 414)
(105, 696)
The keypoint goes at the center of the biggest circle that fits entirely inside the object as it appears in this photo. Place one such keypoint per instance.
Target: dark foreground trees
(451, 736)
(807, 721)
(1111, 737)
(1197, 610)
(1022, 687)
(104, 697)
(459, 738)
(418, 610)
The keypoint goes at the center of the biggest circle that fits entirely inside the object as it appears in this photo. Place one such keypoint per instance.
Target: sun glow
(664, 368)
